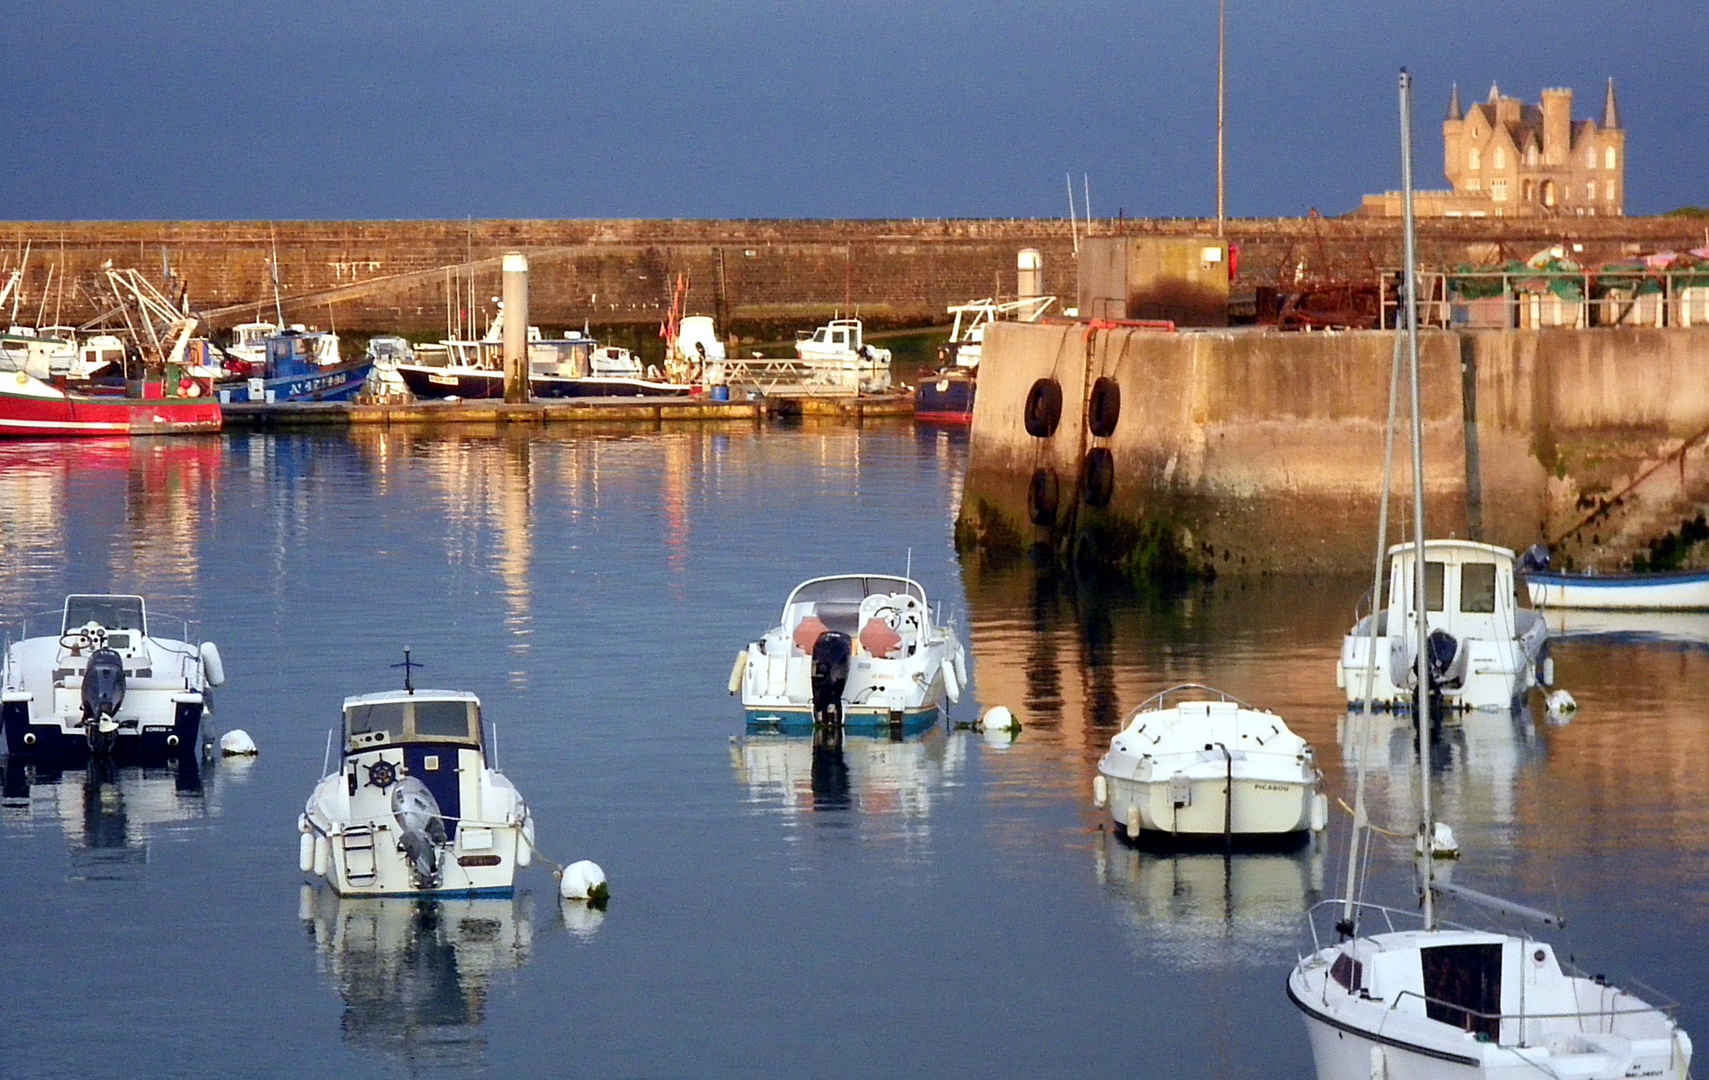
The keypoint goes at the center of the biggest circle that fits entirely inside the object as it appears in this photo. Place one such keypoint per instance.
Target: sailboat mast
(1410, 297)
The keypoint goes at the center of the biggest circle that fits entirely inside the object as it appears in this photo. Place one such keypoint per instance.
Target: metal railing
(1222, 695)
(1605, 299)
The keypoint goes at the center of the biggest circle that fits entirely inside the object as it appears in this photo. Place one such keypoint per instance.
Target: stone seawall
(1257, 452)
(372, 276)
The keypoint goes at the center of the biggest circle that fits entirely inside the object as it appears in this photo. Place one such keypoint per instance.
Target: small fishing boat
(1209, 766)
(616, 372)
(945, 396)
(249, 342)
(298, 364)
(1683, 590)
(33, 409)
(838, 354)
(415, 805)
(104, 686)
(1484, 651)
(860, 651)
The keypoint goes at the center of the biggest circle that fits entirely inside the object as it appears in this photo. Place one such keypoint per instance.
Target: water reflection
(1207, 910)
(155, 497)
(1477, 758)
(109, 815)
(415, 975)
(895, 779)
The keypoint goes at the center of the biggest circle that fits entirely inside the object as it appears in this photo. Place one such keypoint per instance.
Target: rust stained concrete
(1252, 452)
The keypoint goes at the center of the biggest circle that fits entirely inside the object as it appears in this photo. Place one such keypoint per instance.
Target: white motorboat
(1484, 651)
(859, 650)
(1208, 766)
(838, 354)
(1455, 1002)
(415, 806)
(104, 685)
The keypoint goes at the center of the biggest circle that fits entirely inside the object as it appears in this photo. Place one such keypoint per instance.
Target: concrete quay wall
(1255, 452)
(373, 276)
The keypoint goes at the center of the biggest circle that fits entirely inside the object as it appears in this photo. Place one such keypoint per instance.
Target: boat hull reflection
(836, 771)
(415, 973)
(1210, 910)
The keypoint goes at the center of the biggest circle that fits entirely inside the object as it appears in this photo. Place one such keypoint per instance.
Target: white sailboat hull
(1620, 592)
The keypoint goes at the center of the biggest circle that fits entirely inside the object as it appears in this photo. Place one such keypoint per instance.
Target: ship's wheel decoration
(382, 774)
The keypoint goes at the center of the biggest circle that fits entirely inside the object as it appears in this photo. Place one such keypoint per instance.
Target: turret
(1557, 125)
(1610, 110)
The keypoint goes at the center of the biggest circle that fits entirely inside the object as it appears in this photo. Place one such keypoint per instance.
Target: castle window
(1608, 158)
(1475, 159)
(1526, 197)
(1531, 154)
(1498, 188)
(1590, 190)
(1474, 184)
(1500, 161)
(1590, 158)
(1548, 193)
(1609, 188)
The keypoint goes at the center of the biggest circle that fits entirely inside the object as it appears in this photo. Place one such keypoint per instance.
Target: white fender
(322, 856)
(951, 686)
(1319, 812)
(525, 842)
(237, 743)
(306, 852)
(738, 671)
(1132, 821)
(960, 665)
(212, 666)
(1100, 791)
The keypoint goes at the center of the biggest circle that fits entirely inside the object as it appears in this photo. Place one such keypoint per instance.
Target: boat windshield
(421, 719)
(112, 612)
(855, 589)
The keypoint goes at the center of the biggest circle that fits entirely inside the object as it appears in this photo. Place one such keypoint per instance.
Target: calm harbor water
(943, 906)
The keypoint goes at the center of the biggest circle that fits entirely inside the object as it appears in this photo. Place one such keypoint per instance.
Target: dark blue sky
(747, 108)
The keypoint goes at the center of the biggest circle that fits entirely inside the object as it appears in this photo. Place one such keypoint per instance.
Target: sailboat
(1419, 998)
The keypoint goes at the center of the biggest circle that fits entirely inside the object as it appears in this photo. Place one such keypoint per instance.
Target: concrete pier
(623, 410)
(1231, 451)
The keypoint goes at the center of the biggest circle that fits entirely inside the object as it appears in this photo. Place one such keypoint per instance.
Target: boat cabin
(884, 616)
(1468, 589)
(839, 335)
(434, 735)
(300, 352)
(1504, 989)
(252, 336)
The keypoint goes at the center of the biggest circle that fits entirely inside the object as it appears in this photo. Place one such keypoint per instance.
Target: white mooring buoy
(1560, 705)
(999, 718)
(1443, 844)
(237, 743)
(583, 880)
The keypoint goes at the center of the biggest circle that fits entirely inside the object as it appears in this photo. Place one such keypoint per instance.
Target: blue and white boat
(1684, 590)
(299, 365)
(856, 651)
(415, 806)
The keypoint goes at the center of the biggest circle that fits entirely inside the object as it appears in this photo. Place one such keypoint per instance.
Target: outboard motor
(103, 693)
(830, 674)
(421, 829)
(1535, 557)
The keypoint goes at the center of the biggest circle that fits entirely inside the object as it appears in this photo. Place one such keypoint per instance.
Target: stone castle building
(1508, 159)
